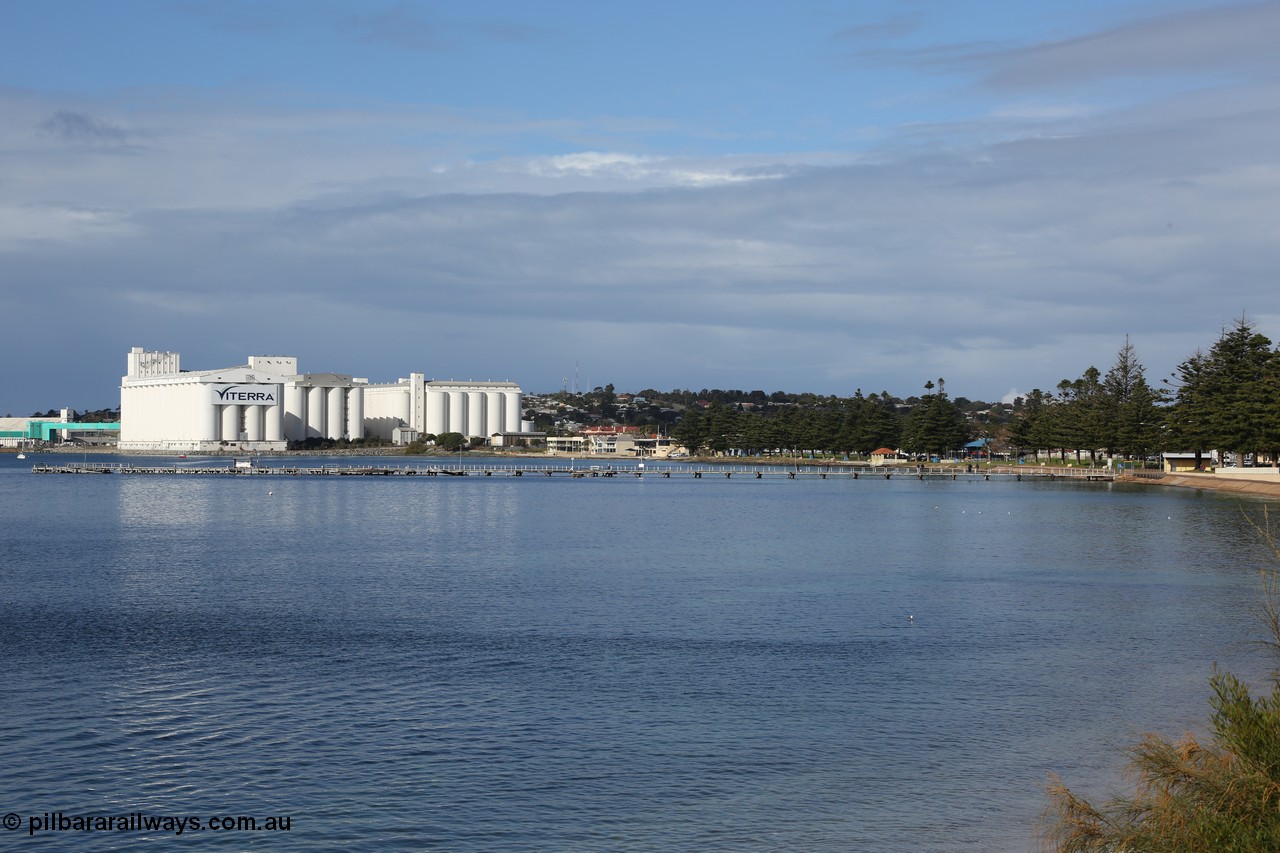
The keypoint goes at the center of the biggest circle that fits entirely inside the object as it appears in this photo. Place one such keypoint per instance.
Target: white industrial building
(266, 403)
(435, 407)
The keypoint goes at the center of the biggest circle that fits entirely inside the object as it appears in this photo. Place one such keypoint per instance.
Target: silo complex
(265, 404)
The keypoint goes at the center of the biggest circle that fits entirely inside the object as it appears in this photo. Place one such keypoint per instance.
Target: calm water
(599, 664)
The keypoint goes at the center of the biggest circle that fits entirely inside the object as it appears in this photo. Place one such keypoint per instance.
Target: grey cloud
(995, 264)
(510, 32)
(938, 249)
(896, 26)
(237, 16)
(1233, 38)
(1221, 37)
(80, 127)
(399, 26)
(408, 28)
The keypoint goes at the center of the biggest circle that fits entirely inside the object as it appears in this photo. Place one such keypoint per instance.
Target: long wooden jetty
(575, 470)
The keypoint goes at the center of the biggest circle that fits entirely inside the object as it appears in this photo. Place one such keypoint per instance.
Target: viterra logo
(251, 394)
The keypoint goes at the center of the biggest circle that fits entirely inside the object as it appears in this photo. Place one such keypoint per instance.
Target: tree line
(853, 425)
(1226, 399)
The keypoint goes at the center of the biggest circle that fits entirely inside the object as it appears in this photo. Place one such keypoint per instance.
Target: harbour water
(548, 664)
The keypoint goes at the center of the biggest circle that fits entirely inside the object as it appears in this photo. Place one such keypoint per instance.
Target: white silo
(209, 423)
(273, 419)
(437, 411)
(493, 412)
(336, 419)
(253, 422)
(475, 413)
(458, 411)
(511, 411)
(315, 412)
(230, 423)
(295, 412)
(355, 412)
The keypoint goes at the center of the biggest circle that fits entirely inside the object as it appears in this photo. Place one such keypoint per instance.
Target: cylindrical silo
(315, 413)
(336, 419)
(402, 407)
(511, 411)
(209, 423)
(437, 411)
(273, 421)
(295, 412)
(355, 412)
(493, 412)
(230, 423)
(458, 412)
(475, 413)
(253, 423)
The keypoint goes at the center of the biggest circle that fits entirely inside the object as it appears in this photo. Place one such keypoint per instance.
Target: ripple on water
(581, 666)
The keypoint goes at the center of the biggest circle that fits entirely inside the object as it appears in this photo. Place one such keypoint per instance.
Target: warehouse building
(37, 431)
(266, 403)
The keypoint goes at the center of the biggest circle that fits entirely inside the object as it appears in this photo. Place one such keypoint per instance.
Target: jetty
(578, 470)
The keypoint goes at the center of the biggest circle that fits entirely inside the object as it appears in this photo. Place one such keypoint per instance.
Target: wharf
(576, 471)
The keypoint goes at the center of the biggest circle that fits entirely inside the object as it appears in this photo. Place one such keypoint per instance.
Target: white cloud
(20, 226)
(648, 170)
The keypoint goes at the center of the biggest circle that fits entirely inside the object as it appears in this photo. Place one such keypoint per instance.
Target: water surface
(601, 664)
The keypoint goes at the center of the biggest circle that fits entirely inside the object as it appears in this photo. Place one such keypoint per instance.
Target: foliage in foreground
(1222, 796)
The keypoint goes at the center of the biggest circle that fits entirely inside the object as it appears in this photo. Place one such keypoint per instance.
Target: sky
(785, 196)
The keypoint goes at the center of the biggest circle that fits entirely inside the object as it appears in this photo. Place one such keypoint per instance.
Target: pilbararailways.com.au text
(141, 822)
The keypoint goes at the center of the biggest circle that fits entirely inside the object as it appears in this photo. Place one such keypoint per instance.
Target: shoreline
(1209, 482)
(241, 454)
(1269, 488)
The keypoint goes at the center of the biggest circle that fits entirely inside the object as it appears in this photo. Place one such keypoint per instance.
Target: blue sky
(801, 196)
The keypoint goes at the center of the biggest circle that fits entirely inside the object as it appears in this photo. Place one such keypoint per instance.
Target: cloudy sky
(801, 196)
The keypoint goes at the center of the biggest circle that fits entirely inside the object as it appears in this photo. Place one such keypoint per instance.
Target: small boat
(21, 455)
